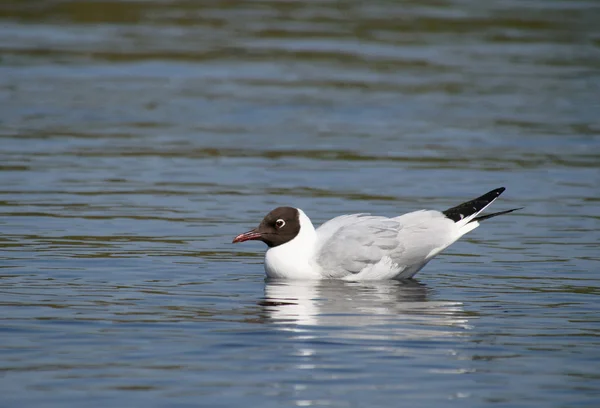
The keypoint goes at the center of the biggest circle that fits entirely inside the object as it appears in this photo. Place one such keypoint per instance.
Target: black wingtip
(469, 208)
(496, 192)
(485, 217)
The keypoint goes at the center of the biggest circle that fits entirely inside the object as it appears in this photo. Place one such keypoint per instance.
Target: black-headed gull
(363, 246)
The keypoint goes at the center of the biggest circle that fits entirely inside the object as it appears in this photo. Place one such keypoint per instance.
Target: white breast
(295, 259)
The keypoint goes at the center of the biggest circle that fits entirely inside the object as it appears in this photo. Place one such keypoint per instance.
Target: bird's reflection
(375, 310)
(324, 320)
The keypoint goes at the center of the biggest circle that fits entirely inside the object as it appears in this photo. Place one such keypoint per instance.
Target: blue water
(138, 138)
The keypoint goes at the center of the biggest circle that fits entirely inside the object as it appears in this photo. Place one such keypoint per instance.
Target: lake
(137, 138)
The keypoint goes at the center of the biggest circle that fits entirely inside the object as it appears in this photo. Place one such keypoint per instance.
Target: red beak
(247, 236)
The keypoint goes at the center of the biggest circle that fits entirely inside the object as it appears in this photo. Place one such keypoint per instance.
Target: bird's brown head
(278, 227)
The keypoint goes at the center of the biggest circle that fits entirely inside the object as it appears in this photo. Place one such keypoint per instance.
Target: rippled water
(137, 138)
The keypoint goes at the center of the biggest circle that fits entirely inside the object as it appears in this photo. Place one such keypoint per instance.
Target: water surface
(138, 138)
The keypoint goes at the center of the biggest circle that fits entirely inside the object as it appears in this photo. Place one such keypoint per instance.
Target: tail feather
(467, 212)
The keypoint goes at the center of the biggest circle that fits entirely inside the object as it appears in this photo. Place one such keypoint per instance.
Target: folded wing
(364, 244)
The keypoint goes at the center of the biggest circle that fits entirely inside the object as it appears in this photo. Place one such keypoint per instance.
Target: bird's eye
(280, 223)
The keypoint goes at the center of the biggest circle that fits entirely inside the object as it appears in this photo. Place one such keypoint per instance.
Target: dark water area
(137, 138)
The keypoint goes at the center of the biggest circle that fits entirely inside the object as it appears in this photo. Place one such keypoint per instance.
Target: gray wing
(351, 243)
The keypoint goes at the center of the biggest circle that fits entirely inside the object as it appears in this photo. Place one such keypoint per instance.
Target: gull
(362, 247)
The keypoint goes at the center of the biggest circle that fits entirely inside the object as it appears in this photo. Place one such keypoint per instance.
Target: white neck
(294, 259)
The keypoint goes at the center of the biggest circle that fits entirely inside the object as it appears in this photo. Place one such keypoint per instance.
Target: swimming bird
(359, 247)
